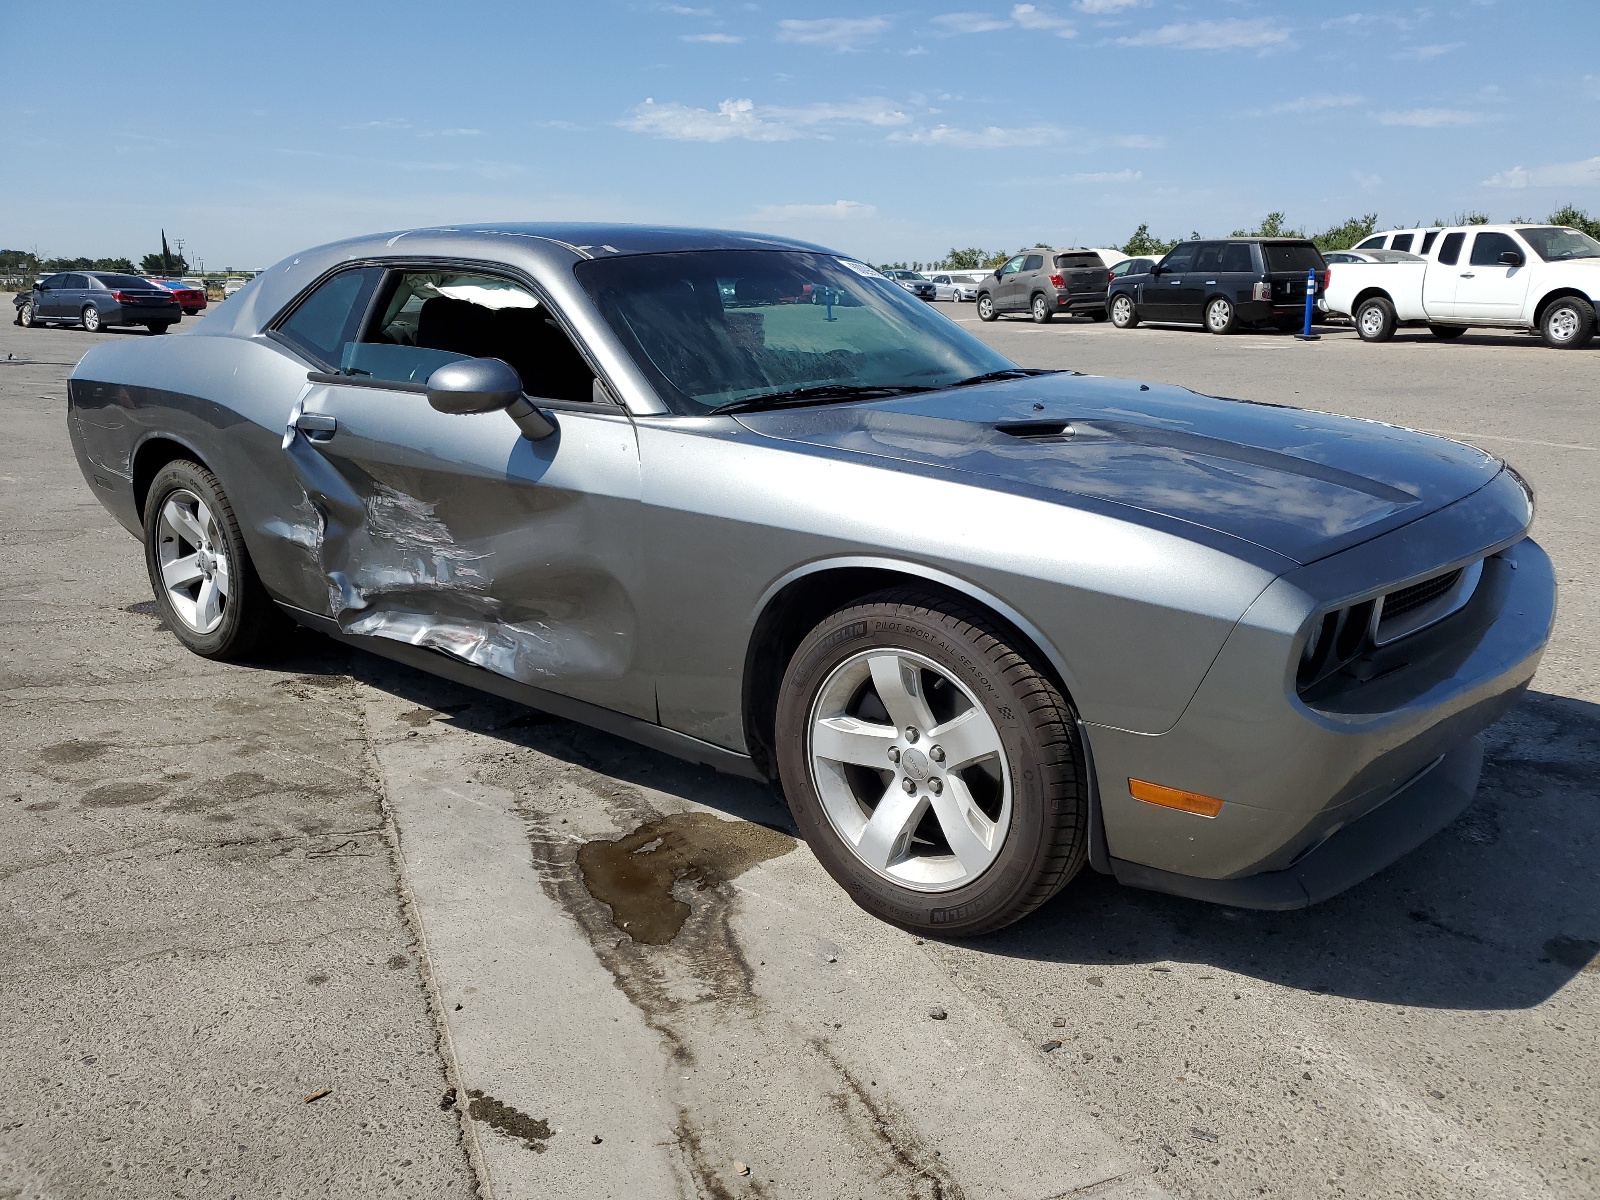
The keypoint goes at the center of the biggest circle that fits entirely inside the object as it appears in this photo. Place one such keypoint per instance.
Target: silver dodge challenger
(745, 500)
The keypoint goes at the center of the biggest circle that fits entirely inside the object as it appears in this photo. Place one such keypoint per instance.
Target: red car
(190, 298)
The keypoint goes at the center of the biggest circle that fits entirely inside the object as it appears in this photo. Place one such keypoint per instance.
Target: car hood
(1301, 484)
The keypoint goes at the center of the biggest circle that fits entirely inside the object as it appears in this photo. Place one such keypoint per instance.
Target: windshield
(715, 327)
(1291, 256)
(1553, 244)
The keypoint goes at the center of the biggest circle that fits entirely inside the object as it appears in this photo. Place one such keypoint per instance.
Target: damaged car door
(457, 532)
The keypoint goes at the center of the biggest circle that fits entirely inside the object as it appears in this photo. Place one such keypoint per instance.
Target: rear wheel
(1446, 332)
(1098, 314)
(1123, 314)
(91, 318)
(1043, 311)
(934, 771)
(986, 309)
(1220, 316)
(189, 312)
(1568, 323)
(204, 583)
(1375, 319)
(158, 326)
(25, 316)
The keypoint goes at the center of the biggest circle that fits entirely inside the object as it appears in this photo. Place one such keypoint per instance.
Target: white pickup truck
(1539, 277)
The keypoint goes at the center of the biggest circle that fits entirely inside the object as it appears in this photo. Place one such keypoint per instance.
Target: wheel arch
(1371, 293)
(1559, 293)
(150, 455)
(793, 605)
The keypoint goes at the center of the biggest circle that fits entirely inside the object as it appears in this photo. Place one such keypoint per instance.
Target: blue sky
(891, 133)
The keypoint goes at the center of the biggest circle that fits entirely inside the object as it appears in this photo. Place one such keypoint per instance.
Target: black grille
(1408, 598)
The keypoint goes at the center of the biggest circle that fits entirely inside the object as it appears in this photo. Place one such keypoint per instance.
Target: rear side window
(1236, 257)
(1209, 258)
(76, 281)
(1373, 243)
(1402, 241)
(1427, 241)
(1035, 262)
(1292, 256)
(126, 281)
(1488, 247)
(325, 321)
(1450, 249)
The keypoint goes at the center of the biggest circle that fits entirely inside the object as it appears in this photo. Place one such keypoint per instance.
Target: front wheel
(1123, 314)
(1447, 332)
(1568, 323)
(1375, 319)
(935, 772)
(1043, 311)
(91, 318)
(204, 582)
(25, 316)
(1220, 316)
(986, 310)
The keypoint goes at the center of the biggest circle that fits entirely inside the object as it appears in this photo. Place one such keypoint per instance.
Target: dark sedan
(98, 301)
(915, 282)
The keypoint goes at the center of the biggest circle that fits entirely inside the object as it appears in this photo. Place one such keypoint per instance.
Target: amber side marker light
(1169, 797)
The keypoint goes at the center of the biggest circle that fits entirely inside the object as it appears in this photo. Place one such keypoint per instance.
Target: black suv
(1223, 285)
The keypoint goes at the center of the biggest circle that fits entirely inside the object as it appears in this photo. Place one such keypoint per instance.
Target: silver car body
(1166, 555)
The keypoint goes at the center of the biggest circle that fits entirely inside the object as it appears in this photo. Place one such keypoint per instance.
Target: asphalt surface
(228, 888)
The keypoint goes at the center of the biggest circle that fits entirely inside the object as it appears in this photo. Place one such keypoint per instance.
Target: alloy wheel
(194, 561)
(27, 314)
(1218, 315)
(1563, 324)
(91, 318)
(1121, 310)
(910, 770)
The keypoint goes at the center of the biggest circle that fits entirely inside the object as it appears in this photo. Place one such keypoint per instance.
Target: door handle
(1469, 275)
(319, 427)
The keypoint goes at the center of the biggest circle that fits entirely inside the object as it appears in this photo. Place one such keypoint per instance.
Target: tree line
(25, 262)
(1342, 236)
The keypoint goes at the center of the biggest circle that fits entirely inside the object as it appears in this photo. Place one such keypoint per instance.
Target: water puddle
(635, 876)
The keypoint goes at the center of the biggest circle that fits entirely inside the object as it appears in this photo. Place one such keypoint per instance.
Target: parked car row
(99, 300)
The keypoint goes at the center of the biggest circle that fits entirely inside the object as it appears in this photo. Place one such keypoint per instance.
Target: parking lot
(329, 926)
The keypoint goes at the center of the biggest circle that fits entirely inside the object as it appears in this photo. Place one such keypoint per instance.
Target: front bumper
(1292, 774)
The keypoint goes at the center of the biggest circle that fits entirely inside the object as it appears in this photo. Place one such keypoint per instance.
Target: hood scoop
(1038, 431)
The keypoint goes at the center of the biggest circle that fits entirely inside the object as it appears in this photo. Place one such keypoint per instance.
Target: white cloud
(1358, 20)
(715, 39)
(836, 33)
(1031, 16)
(1109, 6)
(682, 11)
(1234, 33)
(839, 210)
(991, 137)
(1367, 183)
(745, 120)
(1309, 104)
(387, 123)
(454, 133)
(1584, 173)
(1123, 176)
(1429, 118)
(1423, 53)
(957, 23)
(1138, 141)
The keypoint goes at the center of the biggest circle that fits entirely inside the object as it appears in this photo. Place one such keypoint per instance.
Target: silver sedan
(747, 501)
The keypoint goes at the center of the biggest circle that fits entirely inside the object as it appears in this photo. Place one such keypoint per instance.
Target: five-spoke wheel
(194, 561)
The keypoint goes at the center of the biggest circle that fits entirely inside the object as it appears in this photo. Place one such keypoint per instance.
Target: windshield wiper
(1008, 373)
(822, 393)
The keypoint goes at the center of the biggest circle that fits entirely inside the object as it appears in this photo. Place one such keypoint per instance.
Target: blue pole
(827, 298)
(1311, 297)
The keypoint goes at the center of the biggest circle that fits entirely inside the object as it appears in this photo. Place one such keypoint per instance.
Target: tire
(1221, 316)
(1023, 785)
(1042, 311)
(1567, 324)
(229, 615)
(1375, 319)
(25, 316)
(986, 309)
(189, 312)
(91, 319)
(1447, 332)
(1097, 315)
(1124, 315)
(158, 326)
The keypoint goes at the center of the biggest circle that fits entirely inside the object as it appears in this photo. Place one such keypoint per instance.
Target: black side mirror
(484, 385)
(1511, 258)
